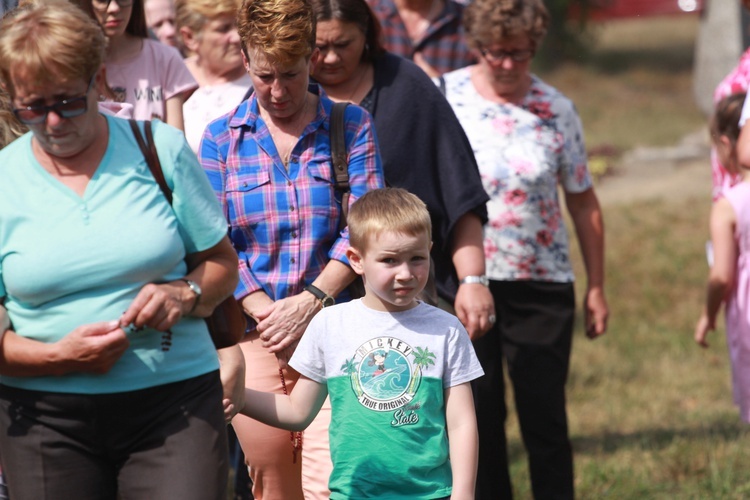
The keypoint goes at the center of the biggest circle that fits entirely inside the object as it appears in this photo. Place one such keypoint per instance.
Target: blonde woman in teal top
(110, 385)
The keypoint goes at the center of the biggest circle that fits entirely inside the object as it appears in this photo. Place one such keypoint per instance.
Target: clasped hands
(282, 323)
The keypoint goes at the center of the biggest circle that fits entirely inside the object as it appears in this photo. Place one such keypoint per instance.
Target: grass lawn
(634, 87)
(651, 413)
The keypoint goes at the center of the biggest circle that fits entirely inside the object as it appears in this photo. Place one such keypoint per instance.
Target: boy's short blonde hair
(387, 209)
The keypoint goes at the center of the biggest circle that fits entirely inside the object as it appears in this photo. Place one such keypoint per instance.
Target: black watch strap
(325, 299)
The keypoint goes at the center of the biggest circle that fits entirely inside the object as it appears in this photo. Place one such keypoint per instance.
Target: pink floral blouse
(524, 152)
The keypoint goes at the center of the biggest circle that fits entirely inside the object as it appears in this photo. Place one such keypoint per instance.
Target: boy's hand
(232, 372)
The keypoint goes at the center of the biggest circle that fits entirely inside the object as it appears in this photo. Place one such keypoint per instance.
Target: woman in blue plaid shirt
(269, 161)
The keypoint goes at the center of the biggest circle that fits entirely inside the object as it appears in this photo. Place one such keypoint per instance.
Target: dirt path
(678, 172)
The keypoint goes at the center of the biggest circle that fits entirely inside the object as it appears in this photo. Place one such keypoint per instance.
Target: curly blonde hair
(49, 42)
(193, 14)
(282, 30)
(492, 21)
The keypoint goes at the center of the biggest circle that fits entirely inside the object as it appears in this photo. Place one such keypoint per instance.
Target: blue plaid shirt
(285, 224)
(442, 46)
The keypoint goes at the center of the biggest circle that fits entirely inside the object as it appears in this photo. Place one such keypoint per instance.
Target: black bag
(227, 323)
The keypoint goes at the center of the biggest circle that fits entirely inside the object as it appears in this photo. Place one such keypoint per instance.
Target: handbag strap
(148, 148)
(338, 157)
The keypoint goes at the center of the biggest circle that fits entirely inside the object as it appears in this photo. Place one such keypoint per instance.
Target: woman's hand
(587, 218)
(475, 307)
(92, 348)
(283, 322)
(159, 306)
(474, 304)
(595, 313)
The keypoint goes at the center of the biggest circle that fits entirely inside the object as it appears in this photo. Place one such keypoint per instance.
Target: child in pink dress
(737, 80)
(729, 278)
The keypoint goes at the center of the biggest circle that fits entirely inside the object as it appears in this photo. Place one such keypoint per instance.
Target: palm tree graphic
(422, 359)
(350, 368)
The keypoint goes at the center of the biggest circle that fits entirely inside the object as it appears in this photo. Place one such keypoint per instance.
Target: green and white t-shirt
(386, 373)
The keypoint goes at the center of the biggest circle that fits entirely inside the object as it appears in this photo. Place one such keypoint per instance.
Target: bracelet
(482, 280)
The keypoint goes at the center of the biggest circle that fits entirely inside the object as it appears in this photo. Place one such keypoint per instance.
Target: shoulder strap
(338, 157)
(338, 146)
(148, 148)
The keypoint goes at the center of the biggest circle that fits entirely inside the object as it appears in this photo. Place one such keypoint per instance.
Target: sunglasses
(497, 56)
(104, 4)
(67, 108)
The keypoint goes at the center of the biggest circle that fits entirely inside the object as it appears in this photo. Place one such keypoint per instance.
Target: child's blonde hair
(726, 118)
(387, 209)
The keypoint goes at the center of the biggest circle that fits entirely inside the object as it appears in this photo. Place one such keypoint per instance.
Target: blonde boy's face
(395, 267)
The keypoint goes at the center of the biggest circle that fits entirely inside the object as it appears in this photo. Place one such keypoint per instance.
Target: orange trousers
(269, 452)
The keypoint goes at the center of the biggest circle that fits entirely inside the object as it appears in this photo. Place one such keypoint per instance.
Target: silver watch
(196, 289)
(482, 280)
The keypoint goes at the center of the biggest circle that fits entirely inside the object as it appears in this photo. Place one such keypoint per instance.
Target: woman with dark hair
(424, 149)
(143, 72)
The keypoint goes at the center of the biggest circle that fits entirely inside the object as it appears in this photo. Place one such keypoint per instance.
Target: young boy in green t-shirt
(397, 370)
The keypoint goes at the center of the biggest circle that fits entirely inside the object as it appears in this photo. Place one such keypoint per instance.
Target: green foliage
(567, 37)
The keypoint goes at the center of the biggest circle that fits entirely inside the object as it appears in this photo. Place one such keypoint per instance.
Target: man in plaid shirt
(427, 31)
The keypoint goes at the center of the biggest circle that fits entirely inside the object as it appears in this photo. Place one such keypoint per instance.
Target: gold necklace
(285, 151)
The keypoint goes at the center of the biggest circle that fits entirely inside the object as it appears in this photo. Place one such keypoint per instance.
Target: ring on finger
(492, 319)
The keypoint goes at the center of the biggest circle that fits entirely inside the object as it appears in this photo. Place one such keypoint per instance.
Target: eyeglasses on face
(67, 108)
(497, 56)
(104, 4)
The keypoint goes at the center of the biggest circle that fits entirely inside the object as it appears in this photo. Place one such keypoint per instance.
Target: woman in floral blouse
(527, 139)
